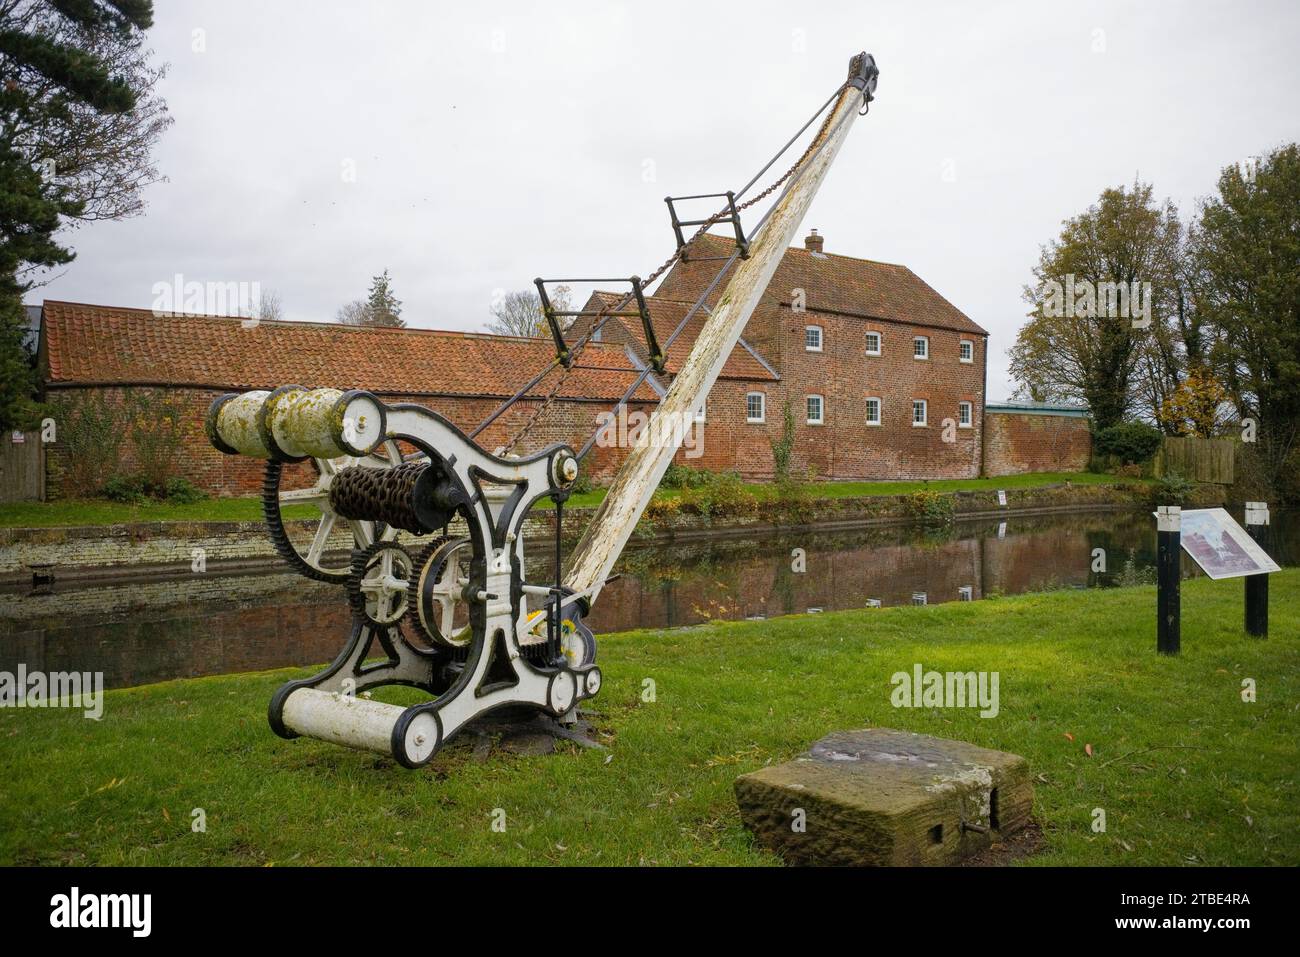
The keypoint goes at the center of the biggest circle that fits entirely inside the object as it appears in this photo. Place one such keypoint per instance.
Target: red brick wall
(219, 474)
(1016, 443)
(845, 447)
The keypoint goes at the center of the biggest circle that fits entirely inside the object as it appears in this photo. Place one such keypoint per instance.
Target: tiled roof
(88, 344)
(665, 314)
(831, 283)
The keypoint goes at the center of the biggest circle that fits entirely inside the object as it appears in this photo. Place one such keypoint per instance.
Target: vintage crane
(458, 618)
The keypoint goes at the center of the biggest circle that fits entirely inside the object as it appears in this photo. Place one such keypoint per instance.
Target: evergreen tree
(382, 307)
(78, 121)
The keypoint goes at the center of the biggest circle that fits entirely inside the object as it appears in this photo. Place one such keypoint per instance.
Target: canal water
(137, 632)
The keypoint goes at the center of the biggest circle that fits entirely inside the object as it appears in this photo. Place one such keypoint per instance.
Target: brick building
(884, 378)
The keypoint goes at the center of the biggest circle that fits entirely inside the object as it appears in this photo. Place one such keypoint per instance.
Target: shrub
(1128, 442)
(183, 492)
(683, 476)
(137, 489)
(723, 494)
(660, 508)
(1171, 489)
(125, 488)
(930, 506)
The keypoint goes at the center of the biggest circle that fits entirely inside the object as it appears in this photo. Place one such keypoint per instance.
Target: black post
(1257, 585)
(1169, 548)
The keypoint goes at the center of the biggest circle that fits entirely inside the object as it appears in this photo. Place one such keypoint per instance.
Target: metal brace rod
(742, 242)
(565, 355)
(562, 351)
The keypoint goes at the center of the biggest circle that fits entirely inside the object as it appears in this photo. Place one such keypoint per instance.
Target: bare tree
(354, 313)
(269, 307)
(519, 313)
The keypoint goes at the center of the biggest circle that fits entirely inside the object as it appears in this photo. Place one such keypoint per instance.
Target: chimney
(812, 242)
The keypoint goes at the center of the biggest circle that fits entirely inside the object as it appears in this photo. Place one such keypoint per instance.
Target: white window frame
(880, 343)
(821, 338)
(963, 345)
(821, 409)
(925, 413)
(880, 410)
(925, 352)
(762, 407)
(969, 409)
(701, 412)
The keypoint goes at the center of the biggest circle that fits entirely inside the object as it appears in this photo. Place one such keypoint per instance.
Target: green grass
(102, 512)
(1186, 772)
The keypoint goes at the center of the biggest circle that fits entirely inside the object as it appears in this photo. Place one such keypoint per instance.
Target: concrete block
(880, 797)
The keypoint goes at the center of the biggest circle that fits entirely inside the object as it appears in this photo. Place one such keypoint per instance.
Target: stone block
(880, 797)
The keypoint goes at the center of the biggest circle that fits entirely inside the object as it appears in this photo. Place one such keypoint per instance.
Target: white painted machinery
(458, 618)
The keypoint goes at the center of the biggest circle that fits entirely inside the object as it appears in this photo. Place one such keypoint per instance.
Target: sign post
(1257, 585)
(1169, 550)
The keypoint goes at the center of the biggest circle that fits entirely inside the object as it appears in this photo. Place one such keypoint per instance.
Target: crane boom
(604, 539)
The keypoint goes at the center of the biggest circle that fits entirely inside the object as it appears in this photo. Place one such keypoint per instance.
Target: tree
(1196, 406)
(354, 313)
(269, 307)
(382, 307)
(78, 101)
(28, 221)
(1106, 289)
(78, 122)
(519, 313)
(18, 408)
(1246, 249)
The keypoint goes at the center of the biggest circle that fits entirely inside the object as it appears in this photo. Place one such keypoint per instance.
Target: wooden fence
(1202, 460)
(22, 467)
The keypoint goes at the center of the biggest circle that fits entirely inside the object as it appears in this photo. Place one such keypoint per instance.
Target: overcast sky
(496, 142)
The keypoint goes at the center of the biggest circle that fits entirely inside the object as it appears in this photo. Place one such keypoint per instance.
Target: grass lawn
(104, 512)
(100, 512)
(1186, 772)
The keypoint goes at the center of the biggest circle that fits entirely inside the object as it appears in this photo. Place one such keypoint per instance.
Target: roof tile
(87, 344)
(831, 283)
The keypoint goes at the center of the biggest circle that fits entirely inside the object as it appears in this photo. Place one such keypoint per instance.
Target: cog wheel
(307, 555)
(378, 582)
(436, 605)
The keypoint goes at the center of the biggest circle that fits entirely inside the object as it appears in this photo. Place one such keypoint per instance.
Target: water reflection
(141, 632)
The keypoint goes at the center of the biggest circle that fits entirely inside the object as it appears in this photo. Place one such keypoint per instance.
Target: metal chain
(603, 314)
